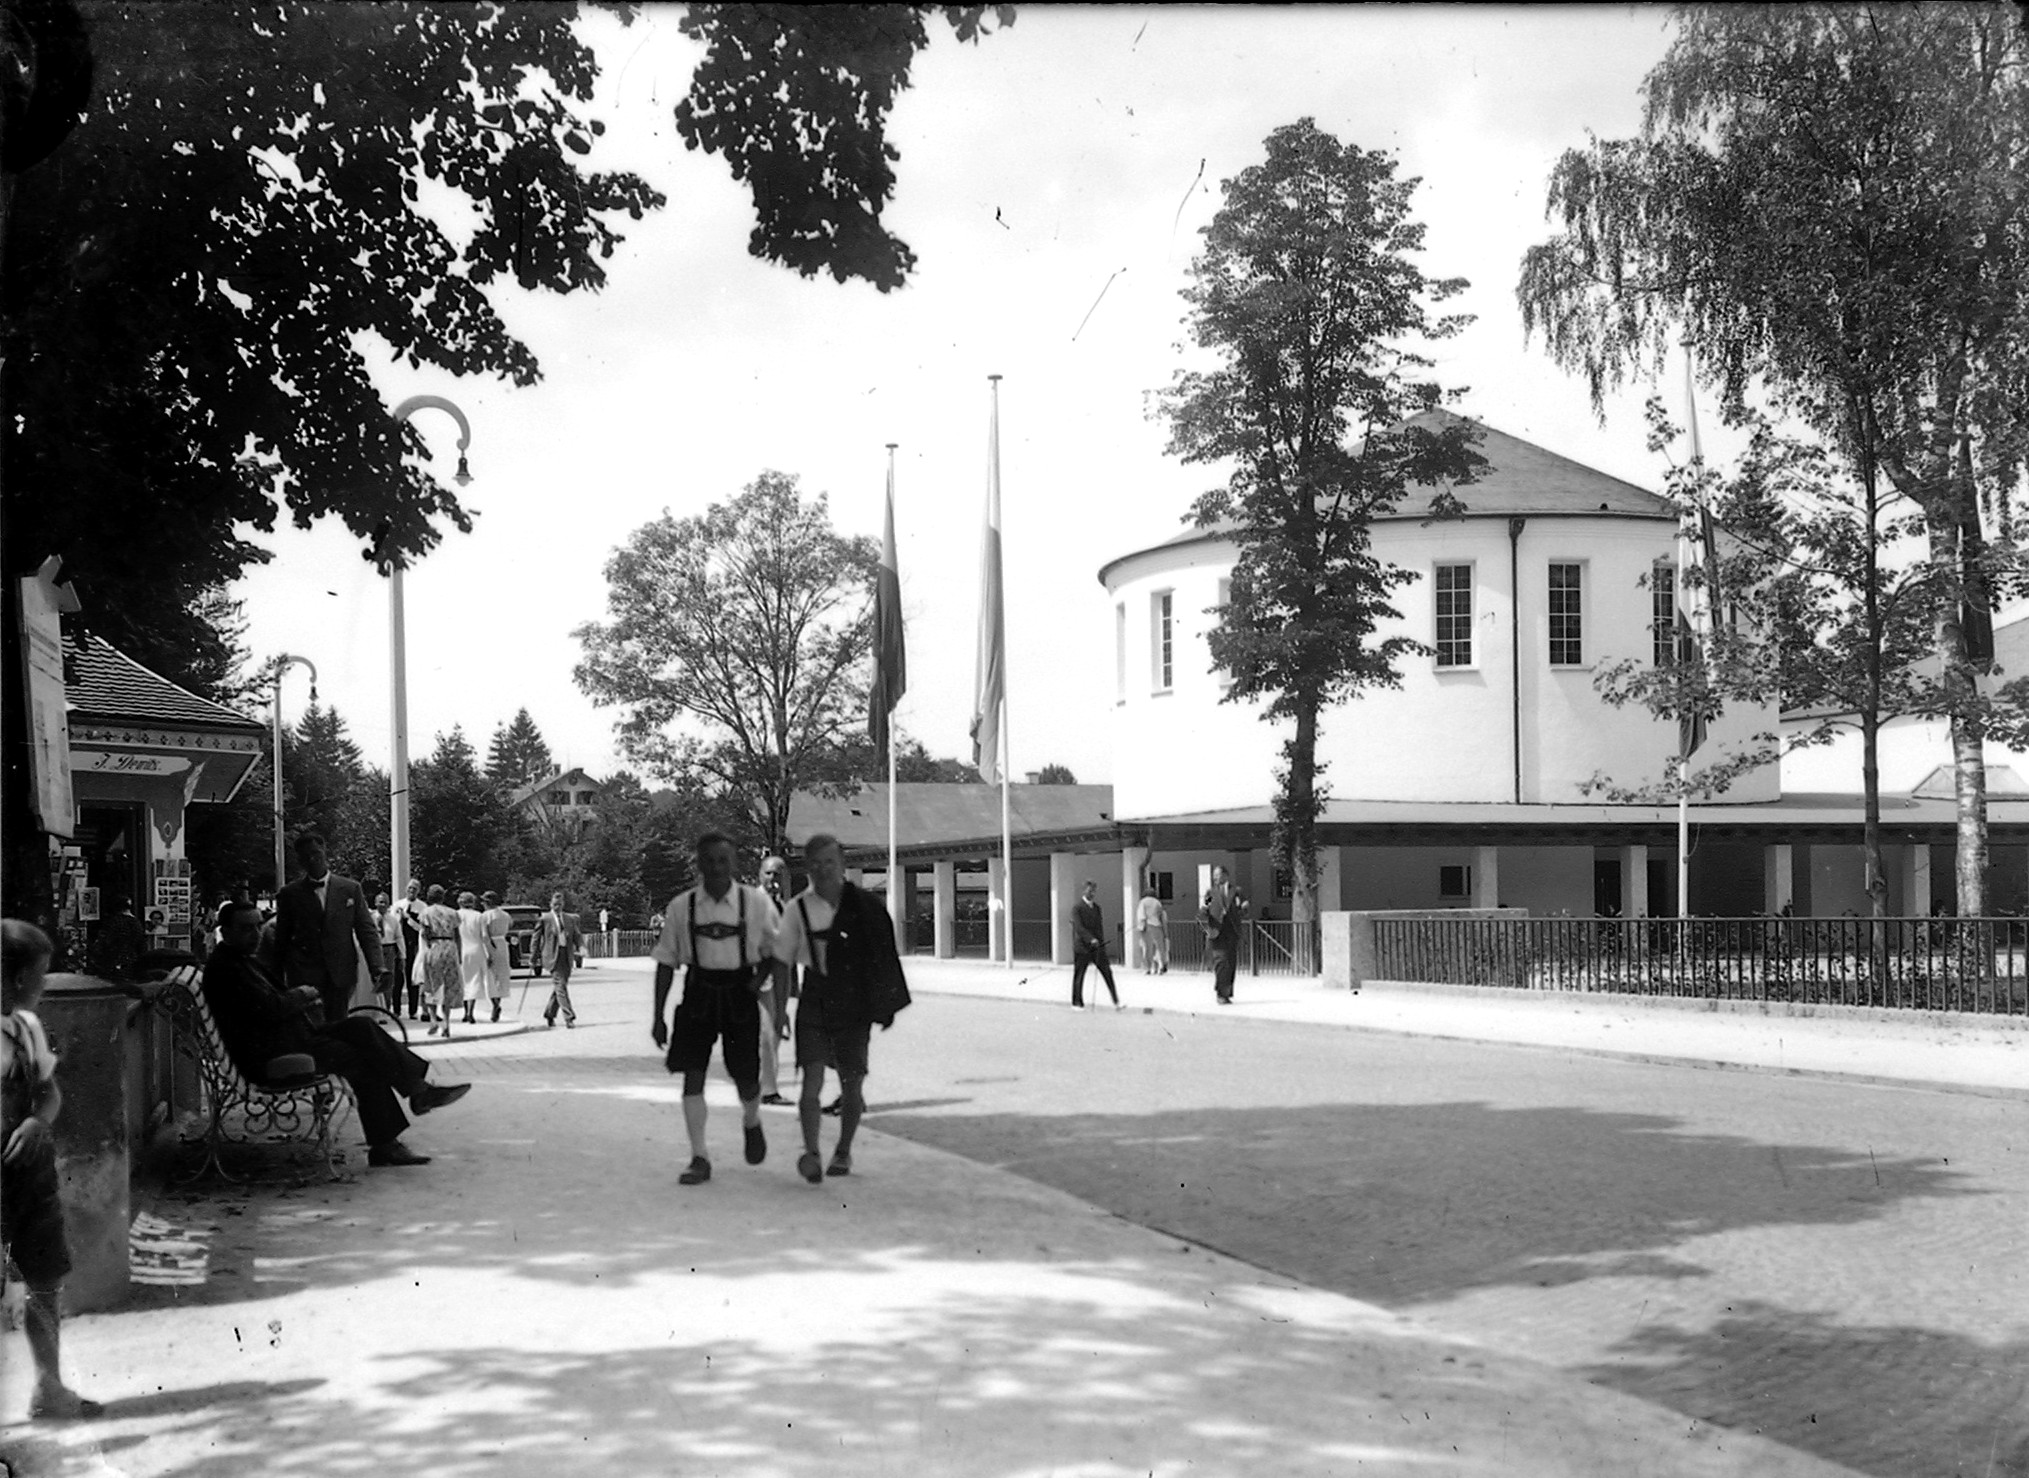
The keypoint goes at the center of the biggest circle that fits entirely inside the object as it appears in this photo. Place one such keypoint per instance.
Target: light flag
(989, 709)
(1696, 600)
(891, 665)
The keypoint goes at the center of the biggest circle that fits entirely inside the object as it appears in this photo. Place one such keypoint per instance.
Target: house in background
(563, 800)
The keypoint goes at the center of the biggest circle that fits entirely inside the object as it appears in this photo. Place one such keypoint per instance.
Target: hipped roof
(104, 685)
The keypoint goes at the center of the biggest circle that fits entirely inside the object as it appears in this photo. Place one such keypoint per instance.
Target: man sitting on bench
(260, 1022)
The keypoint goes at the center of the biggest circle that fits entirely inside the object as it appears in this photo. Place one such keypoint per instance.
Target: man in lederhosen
(852, 982)
(722, 933)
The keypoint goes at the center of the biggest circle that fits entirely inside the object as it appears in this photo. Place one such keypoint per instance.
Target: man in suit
(1220, 917)
(323, 929)
(557, 941)
(259, 1022)
(1088, 946)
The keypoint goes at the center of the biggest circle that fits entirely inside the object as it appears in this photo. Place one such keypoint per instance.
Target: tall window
(1162, 631)
(1120, 653)
(1454, 615)
(1567, 633)
(1663, 614)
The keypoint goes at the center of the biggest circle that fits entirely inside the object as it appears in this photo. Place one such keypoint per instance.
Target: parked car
(521, 937)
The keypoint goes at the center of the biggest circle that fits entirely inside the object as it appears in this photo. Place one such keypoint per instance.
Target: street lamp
(398, 772)
(282, 664)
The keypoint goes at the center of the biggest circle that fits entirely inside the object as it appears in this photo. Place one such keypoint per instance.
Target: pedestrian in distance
(557, 938)
(720, 933)
(499, 924)
(844, 942)
(775, 995)
(471, 952)
(443, 982)
(388, 924)
(1224, 907)
(1088, 946)
(118, 941)
(323, 929)
(1153, 921)
(411, 910)
(31, 1199)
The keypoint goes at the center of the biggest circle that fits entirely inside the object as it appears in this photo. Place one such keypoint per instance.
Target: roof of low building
(105, 685)
(930, 812)
(1520, 479)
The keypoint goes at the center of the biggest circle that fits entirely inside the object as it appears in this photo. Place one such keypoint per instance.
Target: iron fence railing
(1267, 946)
(619, 944)
(1934, 964)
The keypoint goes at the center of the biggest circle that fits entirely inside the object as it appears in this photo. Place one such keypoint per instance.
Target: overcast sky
(1078, 149)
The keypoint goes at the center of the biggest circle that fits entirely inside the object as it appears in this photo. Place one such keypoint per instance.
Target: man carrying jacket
(852, 981)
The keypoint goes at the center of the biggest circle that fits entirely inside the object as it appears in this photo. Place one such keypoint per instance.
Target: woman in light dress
(471, 953)
(442, 987)
(499, 924)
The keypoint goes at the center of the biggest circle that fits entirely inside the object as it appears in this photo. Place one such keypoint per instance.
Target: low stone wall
(1349, 937)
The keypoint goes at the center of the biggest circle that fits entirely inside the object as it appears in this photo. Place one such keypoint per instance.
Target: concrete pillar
(998, 932)
(899, 884)
(1063, 893)
(1133, 873)
(1778, 879)
(1917, 904)
(1634, 882)
(1486, 877)
(944, 908)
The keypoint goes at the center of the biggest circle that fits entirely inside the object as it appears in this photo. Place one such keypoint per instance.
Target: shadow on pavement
(1934, 1403)
(1408, 1203)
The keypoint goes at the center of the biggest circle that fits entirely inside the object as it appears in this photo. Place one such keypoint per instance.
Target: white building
(1468, 785)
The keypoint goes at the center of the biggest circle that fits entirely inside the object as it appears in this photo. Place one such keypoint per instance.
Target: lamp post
(398, 770)
(282, 664)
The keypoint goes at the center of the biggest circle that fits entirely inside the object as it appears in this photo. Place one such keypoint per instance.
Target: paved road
(1841, 1267)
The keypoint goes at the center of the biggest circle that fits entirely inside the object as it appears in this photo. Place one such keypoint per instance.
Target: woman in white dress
(499, 924)
(471, 951)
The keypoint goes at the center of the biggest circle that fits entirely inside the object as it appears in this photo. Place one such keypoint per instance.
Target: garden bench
(302, 1108)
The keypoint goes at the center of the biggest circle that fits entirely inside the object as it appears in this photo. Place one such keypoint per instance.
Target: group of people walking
(443, 952)
(1219, 916)
(746, 953)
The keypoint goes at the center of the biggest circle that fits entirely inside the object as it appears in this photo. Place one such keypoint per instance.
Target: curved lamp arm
(438, 403)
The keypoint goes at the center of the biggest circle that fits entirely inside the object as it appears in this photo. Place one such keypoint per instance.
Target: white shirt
(792, 946)
(673, 948)
(23, 1031)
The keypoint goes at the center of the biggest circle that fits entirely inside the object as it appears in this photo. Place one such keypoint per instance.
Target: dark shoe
(833, 1107)
(394, 1152)
(429, 1097)
(773, 1098)
(757, 1145)
(700, 1171)
(841, 1164)
(570, 1023)
(496, 1010)
(810, 1167)
(63, 1405)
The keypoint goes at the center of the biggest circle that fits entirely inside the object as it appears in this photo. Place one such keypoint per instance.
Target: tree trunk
(1870, 825)
(1299, 818)
(1969, 768)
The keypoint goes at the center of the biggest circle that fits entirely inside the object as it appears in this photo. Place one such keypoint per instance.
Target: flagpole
(1685, 554)
(1006, 749)
(897, 905)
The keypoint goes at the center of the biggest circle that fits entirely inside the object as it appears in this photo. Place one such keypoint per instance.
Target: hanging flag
(1697, 600)
(891, 667)
(990, 694)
